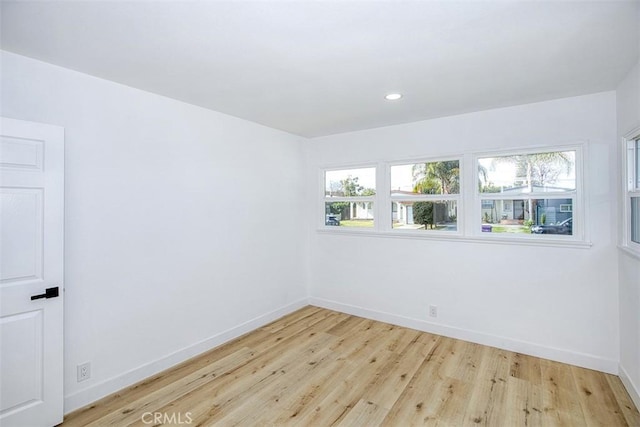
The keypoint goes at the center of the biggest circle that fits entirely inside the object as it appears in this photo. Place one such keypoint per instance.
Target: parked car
(332, 220)
(563, 227)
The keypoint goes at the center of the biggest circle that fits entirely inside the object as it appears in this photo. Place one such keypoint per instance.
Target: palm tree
(483, 177)
(444, 177)
(427, 186)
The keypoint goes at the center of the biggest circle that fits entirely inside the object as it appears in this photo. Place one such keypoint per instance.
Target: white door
(31, 270)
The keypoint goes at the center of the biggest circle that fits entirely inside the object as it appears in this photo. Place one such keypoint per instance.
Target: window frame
(577, 196)
(631, 186)
(468, 200)
(355, 199)
(458, 198)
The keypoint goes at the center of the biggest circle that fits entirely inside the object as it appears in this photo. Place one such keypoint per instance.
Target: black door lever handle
(48, 293)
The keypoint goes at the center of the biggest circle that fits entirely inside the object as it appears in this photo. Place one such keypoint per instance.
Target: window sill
(631, 252)
(521, 241)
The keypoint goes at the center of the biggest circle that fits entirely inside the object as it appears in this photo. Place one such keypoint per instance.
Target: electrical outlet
(84, 371)
(433, 311)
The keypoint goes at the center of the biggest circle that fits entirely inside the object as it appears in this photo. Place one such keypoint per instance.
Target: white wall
(560, 303)
(182, 224)
(628, 110)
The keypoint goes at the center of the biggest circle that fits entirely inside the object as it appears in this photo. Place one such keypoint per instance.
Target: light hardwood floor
(317, 367)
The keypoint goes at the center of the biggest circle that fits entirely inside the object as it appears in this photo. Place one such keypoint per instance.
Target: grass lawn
(510, 229)
(356, 223)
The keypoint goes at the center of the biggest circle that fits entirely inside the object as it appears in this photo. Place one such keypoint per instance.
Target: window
(632, 197)
(349, 195)
(528, 193)
(488, 204)
(534, 196)
(425, 196)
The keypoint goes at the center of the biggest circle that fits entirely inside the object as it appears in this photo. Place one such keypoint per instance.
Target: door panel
(31, 260)
(22, 241)
(21, 153)
(21, 370)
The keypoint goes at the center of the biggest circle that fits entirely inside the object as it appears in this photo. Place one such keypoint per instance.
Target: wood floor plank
(526, 368)
(485, 403)
(560, 401)
(399, 342)
(468, 360)
(317, 367)
(364, 413)
(348, 325)
(388, 388)
(293, 318)
(523, 403)
(629, 411)
(596, 398)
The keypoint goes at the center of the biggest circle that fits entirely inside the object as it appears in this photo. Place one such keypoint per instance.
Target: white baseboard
(88, 395)
(632, 388)
(560, 355)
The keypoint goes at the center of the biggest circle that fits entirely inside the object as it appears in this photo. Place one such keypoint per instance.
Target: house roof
(536, 188)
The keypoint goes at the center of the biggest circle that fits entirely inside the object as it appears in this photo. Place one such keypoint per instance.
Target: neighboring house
(515, 211)
(402, 210)
(363, 210)
(352, 210)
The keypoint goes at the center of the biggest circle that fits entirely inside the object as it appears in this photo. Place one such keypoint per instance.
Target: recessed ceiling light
(393, 96)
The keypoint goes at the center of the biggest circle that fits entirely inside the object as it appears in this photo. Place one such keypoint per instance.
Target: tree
(547, 172)
(483, 177)
(349, 187)
(339, 208)
(427, 186)
(490, 187)
(541, 168)
(437, 177)
(423, 214)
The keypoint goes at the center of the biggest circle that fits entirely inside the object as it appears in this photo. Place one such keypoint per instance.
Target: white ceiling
(316, 68)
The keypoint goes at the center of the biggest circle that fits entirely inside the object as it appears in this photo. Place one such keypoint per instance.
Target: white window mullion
(383, 199)
(470, 201)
